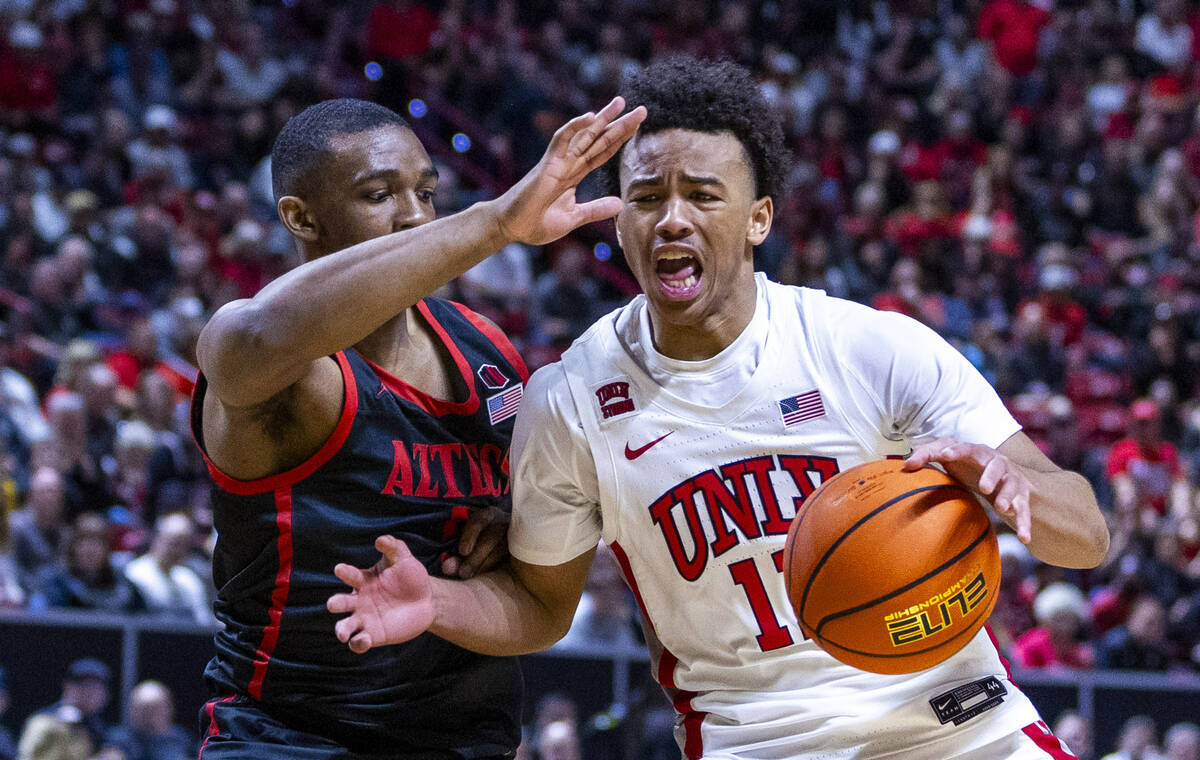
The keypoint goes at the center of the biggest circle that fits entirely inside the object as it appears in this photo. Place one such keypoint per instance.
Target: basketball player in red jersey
(342, 402)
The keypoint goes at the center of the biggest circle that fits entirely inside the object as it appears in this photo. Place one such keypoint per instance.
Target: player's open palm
(391, 603)
(542, 206)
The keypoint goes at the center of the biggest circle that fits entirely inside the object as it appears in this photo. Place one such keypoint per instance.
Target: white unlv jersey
(695, 500)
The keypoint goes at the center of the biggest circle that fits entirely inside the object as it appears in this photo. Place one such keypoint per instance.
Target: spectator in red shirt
(1063, 317)
(926, 220)
(400, 30)
(1013, 28)
(1144, 469)
(27, 83)
(1061, 610)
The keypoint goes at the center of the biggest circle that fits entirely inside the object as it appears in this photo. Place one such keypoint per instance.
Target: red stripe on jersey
(427, 403)
(289, 478)
(498, 339)
(627, 571)
(693, 744)
(213, 729)
(1044, 738)
(283, 521)
(1003, 659)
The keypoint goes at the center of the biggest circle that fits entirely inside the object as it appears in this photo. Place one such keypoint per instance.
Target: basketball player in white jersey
(685, 428)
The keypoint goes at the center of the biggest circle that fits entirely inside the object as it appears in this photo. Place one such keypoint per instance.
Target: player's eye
(379, 196)
(645, 198)
(703, 197)
(425, 196)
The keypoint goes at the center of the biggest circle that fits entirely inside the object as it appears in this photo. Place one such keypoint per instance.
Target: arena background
(1022, 177)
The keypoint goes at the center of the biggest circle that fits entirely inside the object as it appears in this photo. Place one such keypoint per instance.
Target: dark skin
(373, 249)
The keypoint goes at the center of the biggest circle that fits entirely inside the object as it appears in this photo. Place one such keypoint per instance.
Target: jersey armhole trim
(498, 339)
(301, 471)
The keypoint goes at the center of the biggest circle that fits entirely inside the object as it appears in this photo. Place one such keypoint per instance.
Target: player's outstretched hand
(482, 545)
(983, 469)
(391, 602)
(542, 207)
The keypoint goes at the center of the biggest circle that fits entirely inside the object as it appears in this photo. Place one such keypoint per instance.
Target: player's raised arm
(254, 348)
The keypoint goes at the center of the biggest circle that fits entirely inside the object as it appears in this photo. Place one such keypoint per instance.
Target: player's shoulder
(839, 319)
(600, 338)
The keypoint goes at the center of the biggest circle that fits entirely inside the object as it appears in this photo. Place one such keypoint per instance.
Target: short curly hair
(303, 144)
(682, 92)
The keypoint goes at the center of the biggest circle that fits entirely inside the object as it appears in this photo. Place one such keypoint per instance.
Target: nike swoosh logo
(632, 454)
(945, 704)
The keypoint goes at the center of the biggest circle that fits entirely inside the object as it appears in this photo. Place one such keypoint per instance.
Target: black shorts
(238, 728)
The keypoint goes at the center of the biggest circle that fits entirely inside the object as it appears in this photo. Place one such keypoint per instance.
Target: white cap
(1057, 598)
(1056, 277)
(25, 34)
(21, 144)
(884, 142)
(159, 117)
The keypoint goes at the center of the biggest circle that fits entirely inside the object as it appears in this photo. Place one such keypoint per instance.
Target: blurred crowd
(1024, 177)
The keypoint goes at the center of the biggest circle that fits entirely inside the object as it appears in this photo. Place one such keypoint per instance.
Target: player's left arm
(1053, 510)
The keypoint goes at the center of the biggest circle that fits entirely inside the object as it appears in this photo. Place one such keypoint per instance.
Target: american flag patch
(801, 408)
(504, 405)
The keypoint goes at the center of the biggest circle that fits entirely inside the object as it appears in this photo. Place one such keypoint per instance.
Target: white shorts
(1034, 742)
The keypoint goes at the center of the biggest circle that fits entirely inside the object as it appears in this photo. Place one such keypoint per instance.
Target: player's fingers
(993, 472)
(474, 526)
(1004, 495)
(349, 574)
(495, 557)
(360, 643)
(488, 545)
(345, 628)
(1024, 518)
(563, 136)
(392, 548)
(339, 603)
(582, 141)
(597, 210)
(926, 453)
(612, 138)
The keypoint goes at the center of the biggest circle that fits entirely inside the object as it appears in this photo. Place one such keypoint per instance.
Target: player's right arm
(253, 349)
(518, 609)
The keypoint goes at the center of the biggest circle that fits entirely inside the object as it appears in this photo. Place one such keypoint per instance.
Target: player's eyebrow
(640, 182)
(429, 173)
(703, 179)
(689, 179)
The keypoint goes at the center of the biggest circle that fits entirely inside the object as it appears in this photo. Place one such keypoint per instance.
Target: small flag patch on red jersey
(801, 408)
(504, 405)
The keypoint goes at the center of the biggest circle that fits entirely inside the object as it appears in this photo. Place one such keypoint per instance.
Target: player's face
(380, 181)
(688, 228)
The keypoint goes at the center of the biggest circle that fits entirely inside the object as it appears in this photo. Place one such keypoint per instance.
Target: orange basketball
(891, 571)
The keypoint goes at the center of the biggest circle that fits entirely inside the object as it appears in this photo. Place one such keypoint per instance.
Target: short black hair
(682, 92)
(303, 143)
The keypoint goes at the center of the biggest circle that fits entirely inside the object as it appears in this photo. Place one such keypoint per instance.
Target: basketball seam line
(846, 534)
(891, 595)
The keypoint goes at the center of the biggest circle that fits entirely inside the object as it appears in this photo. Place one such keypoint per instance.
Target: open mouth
(679, 275)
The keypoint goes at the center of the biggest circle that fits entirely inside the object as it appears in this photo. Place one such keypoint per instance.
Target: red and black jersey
(399, 462)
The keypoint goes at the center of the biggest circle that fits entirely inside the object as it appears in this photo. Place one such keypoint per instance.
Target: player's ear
(299, 218)
(761, 214)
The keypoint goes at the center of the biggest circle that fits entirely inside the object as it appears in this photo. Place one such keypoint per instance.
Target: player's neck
(393, 343)
(686, 340)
